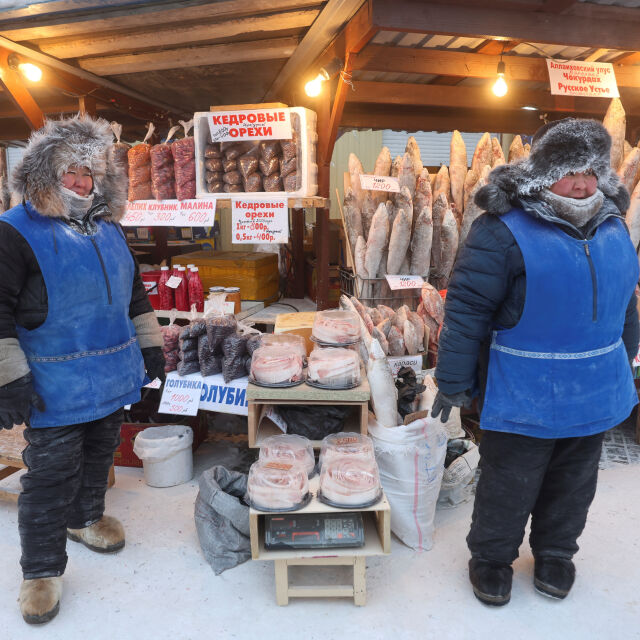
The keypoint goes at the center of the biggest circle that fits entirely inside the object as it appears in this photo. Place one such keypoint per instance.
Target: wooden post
(87, 105)
(12, 82)
(297, 240)
(322, 215)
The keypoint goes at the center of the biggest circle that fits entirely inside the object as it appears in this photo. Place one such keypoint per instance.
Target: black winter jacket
(487, 289)
(23, 294)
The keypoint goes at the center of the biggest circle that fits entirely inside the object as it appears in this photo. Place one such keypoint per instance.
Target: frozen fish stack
(349, 474)
(277, 486)
(276, 366)
(290, 449)
(336, 328)
(418, 229)
(334, 367)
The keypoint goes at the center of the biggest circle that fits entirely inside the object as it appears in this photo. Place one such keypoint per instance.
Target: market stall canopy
(135, 61)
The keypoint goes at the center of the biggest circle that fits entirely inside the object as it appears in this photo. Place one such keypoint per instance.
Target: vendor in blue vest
(541, 324)
(76, 335)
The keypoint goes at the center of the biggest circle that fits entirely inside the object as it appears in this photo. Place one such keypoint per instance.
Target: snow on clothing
(84, 357)
(489, 285)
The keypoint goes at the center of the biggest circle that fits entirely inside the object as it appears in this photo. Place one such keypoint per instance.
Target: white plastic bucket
(166, 454)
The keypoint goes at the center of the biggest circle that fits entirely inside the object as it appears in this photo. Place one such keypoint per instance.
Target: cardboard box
(299, 323)
(255, 273)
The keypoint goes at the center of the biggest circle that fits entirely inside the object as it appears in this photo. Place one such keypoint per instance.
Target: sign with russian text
(404, 282)
(257, 221)
(398, 362)
(181, 394)
(170, 213)
(380, 183)
(224, 397)
(258, 124)
(578, 78)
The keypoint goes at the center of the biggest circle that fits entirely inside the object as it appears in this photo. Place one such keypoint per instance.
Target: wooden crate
(377, 525)
(260, 397)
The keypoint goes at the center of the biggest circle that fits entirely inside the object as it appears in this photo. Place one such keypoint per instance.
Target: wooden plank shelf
(294, 203)
(259, 398)
(377, 527)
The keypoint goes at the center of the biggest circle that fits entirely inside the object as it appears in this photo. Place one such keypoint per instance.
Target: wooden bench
(12, 444)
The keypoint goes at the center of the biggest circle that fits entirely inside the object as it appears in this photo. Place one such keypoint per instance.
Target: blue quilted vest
(85, 358)
(563, 371)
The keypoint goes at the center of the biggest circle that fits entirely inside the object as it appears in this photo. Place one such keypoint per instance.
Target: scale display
(314, 531)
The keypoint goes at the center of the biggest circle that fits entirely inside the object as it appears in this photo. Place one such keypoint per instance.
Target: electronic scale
(314, 531)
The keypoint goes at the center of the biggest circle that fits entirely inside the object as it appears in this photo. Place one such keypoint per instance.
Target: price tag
(143, 233)
(405, 282)
(154, 384)
(258, 124)
(579, 78)
(397, 362)
(258, 221)
(170, 213)
(380, 183)
(229, 308)
(181, 395)
(636, 360)
(174, 282)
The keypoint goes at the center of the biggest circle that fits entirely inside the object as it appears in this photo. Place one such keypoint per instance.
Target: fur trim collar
(82, 141)
(570, 145)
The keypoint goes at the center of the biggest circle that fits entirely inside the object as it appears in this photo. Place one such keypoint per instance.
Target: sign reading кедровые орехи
(579, 78)
(170, 213)
(258, 124)
(260, 220)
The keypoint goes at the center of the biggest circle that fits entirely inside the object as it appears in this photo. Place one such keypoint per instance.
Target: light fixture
(530, 107)
(500, 87)
(313, 88)
(30, 71)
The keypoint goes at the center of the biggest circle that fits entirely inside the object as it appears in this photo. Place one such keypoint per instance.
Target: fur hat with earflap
(571, 145)
(83, 141)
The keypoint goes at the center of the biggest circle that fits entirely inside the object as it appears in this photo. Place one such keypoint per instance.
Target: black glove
(444, 403)
(16, 400)
(154, 363)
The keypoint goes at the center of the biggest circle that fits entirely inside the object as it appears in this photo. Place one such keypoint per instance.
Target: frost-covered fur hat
(82, 141)
(558, 148)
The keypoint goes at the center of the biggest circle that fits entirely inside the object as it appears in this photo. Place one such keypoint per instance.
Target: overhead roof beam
(320, 35)
(273, 49)
(90, 82)
(570, 30)
(390, 59)
(20, 96)
(153, 38)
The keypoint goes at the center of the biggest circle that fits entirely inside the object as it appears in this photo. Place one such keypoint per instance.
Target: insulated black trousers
(65, 485)
(554, 481)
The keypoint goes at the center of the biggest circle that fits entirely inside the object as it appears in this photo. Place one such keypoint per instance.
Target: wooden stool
(357, 590)
(12, 444)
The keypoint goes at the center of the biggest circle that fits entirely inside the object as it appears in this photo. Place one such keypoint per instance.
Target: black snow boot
(491, 581)
(553, 576)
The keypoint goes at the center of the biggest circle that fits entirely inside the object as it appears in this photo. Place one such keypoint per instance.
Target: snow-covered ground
(161, 587)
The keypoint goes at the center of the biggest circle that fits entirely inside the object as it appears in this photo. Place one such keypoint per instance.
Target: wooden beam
(12, 81)
(438, 119)
(390, 59)
(87, 105)
(217, 54)
(357, 34)
(50, 107)
(429, 95)
(592, 57)
(557, 6)
(177, 35)
(569, 30)
(52, 24)
(14, 129)
(118, 94)
(334, 15)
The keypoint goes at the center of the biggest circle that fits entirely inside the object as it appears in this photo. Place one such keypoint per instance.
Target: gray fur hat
(559, 148)
(82, 141)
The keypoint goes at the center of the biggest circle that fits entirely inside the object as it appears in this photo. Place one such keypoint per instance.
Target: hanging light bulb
(30, 71)
(500, 87)
(314, 87)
